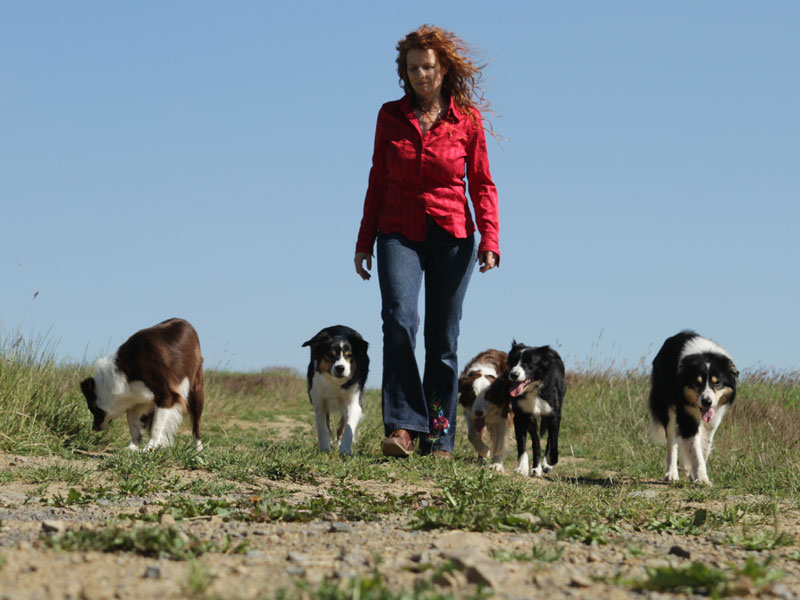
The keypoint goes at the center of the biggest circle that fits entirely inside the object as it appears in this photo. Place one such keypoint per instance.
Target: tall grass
(41, 408)
(605, 425)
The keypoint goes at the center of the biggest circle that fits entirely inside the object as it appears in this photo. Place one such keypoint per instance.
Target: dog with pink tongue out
(528, 392)
(485, 372)
(692, 387)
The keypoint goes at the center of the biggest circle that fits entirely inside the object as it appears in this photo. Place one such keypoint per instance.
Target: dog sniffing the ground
(154, 377)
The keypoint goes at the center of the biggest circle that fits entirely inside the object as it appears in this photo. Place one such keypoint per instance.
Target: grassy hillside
(604, 429)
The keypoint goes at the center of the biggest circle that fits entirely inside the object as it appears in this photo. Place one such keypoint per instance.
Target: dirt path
(280, 554)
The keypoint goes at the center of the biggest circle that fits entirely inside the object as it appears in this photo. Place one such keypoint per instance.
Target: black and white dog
(693, 384)
(337, 373)
(475, 380)
(534, 387)
(154, 377)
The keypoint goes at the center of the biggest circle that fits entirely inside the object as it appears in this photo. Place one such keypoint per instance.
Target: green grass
(150, 541)
(699, 578)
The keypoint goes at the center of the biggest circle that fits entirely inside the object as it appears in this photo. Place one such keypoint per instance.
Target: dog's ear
(321, 337)
(88, 388)
(361, 345)
(733, 369)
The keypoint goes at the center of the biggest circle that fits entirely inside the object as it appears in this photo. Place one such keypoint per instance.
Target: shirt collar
(453, 115)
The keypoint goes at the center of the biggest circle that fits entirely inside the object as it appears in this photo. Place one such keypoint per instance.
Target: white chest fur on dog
(532, 404)
(336, 376)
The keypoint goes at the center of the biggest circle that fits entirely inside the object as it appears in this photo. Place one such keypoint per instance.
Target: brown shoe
(441, 454)
(397, 444)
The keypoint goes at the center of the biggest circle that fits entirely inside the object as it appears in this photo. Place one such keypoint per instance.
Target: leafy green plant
(764, 540)
(699, 578)
(157, 542)
(682, 524)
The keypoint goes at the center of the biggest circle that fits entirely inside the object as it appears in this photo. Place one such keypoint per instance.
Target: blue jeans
(423, 406)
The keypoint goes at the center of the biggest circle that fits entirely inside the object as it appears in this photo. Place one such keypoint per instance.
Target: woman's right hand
(359, 260)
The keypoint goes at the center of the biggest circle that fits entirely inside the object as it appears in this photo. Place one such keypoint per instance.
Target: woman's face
(425, 73)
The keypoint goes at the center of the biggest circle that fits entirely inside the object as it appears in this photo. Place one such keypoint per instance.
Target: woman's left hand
(487, 260)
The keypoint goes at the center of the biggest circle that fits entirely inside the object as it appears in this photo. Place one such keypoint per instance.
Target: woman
(416, 208)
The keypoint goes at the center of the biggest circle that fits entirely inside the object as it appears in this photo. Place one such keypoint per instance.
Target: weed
(197, 581)
(74, 497)
(764, 540)
(370, 588)
(157, 542)
(537, 553)
(701, 579)
(681, 524)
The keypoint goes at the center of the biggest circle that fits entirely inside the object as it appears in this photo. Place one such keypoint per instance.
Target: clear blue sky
(209, 160)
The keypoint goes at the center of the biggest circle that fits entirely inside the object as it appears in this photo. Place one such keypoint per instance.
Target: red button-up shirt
(413, 175)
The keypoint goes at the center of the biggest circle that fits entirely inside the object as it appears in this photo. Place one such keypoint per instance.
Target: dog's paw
(497, 467)
(536, 471)
(671, 476)
(703, 480)
(132, 447)
(522, 465)
(345, 451)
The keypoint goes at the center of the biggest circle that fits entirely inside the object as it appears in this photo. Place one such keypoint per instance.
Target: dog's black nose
(339, 369)
(478, 413)
(705, 401)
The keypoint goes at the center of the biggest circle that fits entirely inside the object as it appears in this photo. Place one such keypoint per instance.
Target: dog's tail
(196, 401)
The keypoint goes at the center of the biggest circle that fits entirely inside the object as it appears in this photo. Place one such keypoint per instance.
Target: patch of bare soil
(280, 554)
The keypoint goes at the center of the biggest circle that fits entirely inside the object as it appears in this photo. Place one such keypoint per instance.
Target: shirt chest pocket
(400, 151)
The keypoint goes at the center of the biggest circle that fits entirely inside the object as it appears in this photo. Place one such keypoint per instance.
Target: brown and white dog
(154, 377)
(473, 385)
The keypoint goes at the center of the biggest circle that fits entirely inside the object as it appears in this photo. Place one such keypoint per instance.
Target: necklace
(430, 113)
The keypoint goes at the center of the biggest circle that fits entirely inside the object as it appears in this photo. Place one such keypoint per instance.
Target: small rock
(296, 571)
(296, 557)
(580, 581)
(678, 551)
(650, 494)
(478, 568)
(254, 554)
(152, 572)
(781, 591)
(339, 527)
(529, 517)
(168, 520)
(354, 558)
(52, 526)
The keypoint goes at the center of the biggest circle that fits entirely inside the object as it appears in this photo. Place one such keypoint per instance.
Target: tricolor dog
(535, 385)
(693, 384)
(475, 380)
(154, 378)
(337, 373)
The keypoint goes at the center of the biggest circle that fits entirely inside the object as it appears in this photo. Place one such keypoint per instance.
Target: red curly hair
(462, 80)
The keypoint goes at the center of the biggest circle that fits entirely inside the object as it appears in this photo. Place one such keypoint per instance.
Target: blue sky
(209, 160)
